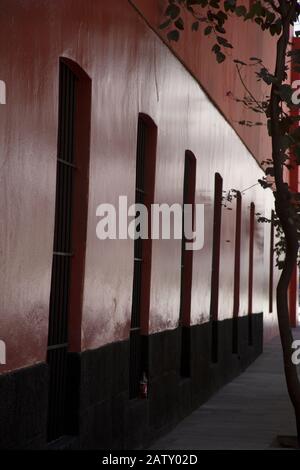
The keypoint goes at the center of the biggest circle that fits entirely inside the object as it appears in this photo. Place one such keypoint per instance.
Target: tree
(282, 117)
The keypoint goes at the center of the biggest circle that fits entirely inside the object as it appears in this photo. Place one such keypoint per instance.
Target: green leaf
(270, 17)
(270, 171)
(208, 30)
(173, 35)
(195, 26)
(220, 57)
(264, 184)
(222, 16)
(216, 48)
(179, 24)
(223, 41)
(275, 29)
(165, 24)
(266, 76)
(220, 29)
(173, 11)
(241, 10)
(229, 5)
(285, 93)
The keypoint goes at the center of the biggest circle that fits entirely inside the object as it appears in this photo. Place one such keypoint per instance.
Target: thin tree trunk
(283, 210)
(286, 336)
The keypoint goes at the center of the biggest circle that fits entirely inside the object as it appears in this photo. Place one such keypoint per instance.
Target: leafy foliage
(210, 17)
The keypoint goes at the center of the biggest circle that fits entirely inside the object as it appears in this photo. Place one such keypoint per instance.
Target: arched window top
(218, 178)
(76, 69)
(189, 154)
(147, 120)
(190, 166)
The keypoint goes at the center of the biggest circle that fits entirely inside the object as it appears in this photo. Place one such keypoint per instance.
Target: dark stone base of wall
(23, 408)
(105, 417)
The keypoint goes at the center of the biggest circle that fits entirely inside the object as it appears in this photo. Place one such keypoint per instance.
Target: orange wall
(132, 71)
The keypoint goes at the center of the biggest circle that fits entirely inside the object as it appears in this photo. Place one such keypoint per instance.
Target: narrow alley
(248, 413)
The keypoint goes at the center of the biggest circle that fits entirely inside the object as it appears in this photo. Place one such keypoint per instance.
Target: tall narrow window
(250, 281)
(189, 188)
(145, 180)
(214, 302)
(271, 273)
(237, 272)
(69, 246)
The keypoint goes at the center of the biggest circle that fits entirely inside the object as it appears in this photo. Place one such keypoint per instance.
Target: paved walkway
(248, 413)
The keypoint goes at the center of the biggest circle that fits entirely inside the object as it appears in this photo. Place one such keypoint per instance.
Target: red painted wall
(194, 50)
(132, 71)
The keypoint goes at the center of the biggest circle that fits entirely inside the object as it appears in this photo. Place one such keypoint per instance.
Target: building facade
(110, 343)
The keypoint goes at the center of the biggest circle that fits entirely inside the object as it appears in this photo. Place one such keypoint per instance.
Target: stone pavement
(248, 413)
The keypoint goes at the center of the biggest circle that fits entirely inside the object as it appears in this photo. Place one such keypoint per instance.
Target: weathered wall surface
(132, 71)
(194, 50)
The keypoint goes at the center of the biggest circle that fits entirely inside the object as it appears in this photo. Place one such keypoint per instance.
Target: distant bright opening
(297, 28)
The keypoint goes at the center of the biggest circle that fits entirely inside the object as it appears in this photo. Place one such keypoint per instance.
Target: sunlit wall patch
(2, 353)
(2, 92)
